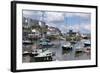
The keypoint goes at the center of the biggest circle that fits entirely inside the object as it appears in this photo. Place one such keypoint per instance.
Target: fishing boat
(87, 43)
(87, 47)
(66, 48)
(44, 56)
(26, 53)
(45, 42)
(27, 42)
(79, 49)
(73, 42)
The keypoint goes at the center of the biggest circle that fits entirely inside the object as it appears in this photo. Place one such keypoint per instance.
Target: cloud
(74, 27)
(83, 28)
(82, 15)
(54, 16)
(43, 15)
(63, 21)
(32, 12)
(86, 27)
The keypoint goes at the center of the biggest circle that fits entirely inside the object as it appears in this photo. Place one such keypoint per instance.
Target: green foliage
(53, 37)
(72, 38)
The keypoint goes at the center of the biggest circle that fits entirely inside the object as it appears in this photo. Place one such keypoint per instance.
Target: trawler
(44, 56)
(87, 43)
(67, 48)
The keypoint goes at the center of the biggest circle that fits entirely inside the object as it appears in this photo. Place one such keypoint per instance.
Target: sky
(65, 21)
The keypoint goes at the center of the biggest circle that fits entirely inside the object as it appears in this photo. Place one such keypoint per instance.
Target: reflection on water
(77, 52)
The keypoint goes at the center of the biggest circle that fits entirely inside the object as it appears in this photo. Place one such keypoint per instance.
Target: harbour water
(58, 51)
